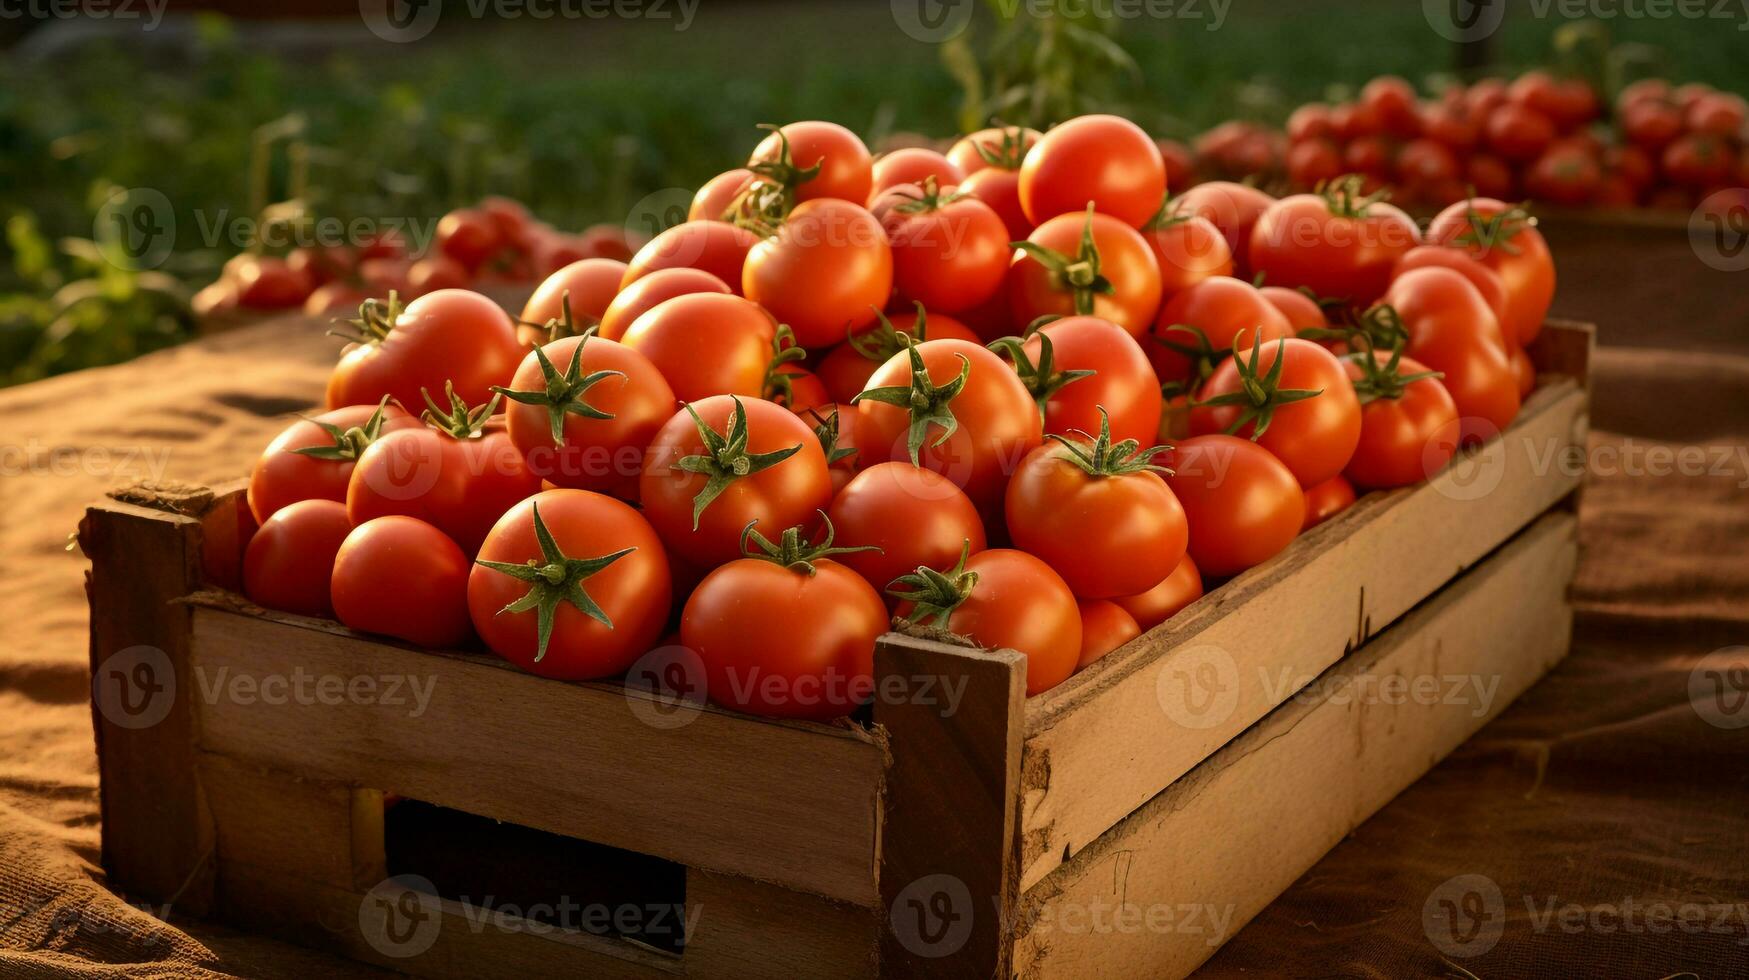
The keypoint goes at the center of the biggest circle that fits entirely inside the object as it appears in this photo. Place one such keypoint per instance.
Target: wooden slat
(749, 929)
(279, 823)
(1246, 823)
(791, 803)
(949, 847)
(1250, 644)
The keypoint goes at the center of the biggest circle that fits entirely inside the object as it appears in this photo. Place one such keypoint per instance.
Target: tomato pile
(1012, 391)
(493, 242)
(1537, 136)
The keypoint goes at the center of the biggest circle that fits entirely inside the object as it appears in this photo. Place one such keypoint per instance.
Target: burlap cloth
(1597, 808)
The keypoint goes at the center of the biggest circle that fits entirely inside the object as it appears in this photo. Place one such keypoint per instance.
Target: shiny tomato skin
(634, 591)
(435, 272)
(913, 165)
(826, 272)
(1524, 371)
(1243, 506)
(950, 258)
(1313, 437)
(1403, 440)
(1123, 382)
(469, 236)
(784, 643)
(1105, 626)
(1106, 536)
(591, 283)
(1299, 241)
(461, 487)
(1000, 189)
(1160, 603)
(717, 247)
(998, 420)
(718, 195)
(1452, 330)
(965, 155)
(846, 172)
(451, 335)
(269, 283)
(1106, 160)
(1234, 209)
(651, 291)
(290, 557)
(1488, 282)
(1187, 252)
(1301, 312)
(1326, 500)
(1125, 260)
(1020, 604)
(401, 577)
(845, 370)
(781, 496)
(915, 516)
(282, 476)
(706, 344)
(1224, 309)
(1518, 133)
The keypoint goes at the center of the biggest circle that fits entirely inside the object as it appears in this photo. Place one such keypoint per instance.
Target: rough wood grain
(948, 853)
(749, 929)
(1242, 826)
(280, 823)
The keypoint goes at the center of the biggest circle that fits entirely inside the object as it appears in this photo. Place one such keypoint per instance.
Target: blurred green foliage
(581, 120)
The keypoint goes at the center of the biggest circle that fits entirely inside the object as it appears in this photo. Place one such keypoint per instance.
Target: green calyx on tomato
(1491, 232)
(1343, 197)
(564, 392)
(1170, 213)
(1098, 456)
(1008, 154)
(929, 403)
(880, 343)
(1260, 394)
(1078, 274)
(726, 458)
(376, 319)
(793, 551)
(932, 198)
(762, 207)
(460, 422)
(935, 594)
(564, 325)
(554, 578)
(1384, 380)
(348, 443)
(780, 384)
(826, 430)
(1041, 379)
(1198, 351)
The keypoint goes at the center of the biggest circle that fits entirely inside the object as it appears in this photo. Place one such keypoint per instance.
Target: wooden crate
(964, 830)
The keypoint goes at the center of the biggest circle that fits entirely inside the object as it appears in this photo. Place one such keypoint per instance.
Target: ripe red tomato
(1292, 398)
(650, 292)
(785, 157)
(1504, 238)
(1567, 174)
(401, 577)
(1302, 311)
(1243, 506)
(322, 265)
(998, 147)
(1187, 249)
(1524, 372)
(913, 165)
(1097, 515)
(1106, 160)
(570, 584)
(581, 410)
(290, 557)
(1164, 600)
(786, 632)
(952, 407)
(1372, 156)
(1312, 162)
(1651, 124)
(312, 459)
(1105, 626)
(1491, 176)
(1486, 280)
(1395, 103)
(1451, 330)
(717, 247)
(459, 473)
(751, 461)
(706, 344)
(1698, 160)
(1093, 365)
(846, 368)
(1002, 599)
(1518, 133)
(509, 216)
(718, 195)
(1222, 308)
(1409, 427)
(1717, 114)
(450, 336)
(950, 250)
(1326, 500)
(1451, 125)
(268, 283)
(824, 274)
(469, 236)
(1338, 244)
(1310, 121)
(1085, 263)
(590, 284)
(1425, 164)
(436, 272)
(1000, 189)
(1180, 164)
(913, 516)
